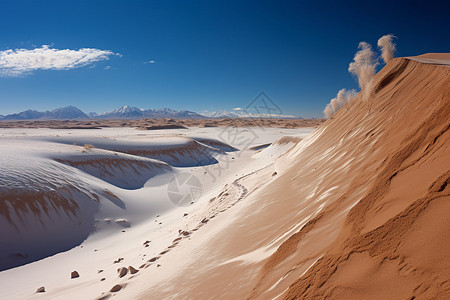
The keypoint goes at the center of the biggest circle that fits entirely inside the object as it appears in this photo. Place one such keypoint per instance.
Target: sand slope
(356, 210)
(390, 231)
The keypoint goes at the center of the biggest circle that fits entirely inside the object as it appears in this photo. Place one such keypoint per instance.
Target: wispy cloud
(238, 108)
(150, 62)
(18, 62)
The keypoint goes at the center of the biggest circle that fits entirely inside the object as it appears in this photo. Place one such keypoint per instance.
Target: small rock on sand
(132, 270)
(274, 173)
(123, 223)
(74, 274)
(40, 290)
(122, 272)
(116, 288)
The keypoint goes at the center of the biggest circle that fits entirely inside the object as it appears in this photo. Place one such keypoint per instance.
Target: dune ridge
(383, 237)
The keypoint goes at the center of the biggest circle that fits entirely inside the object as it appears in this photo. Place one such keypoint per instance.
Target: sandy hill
(384, 230)
(357, 210)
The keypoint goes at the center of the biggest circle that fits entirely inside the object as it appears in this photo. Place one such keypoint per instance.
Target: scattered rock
(40, 290)
(103, 279)
(116, 288)
(158, 265)
(146, 242)
(132, 270)
(99, 271)
(177, 239)
(205, 220)
(74, 274)
(185, 233)
(274, 173)
(118, 260)
(146, 245)
(185, 215)
(122, 272)
(123, 223)
(153, 259)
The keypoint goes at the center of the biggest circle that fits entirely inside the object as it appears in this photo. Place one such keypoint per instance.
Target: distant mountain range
(124, 112)
(127, 112)
(133, 112)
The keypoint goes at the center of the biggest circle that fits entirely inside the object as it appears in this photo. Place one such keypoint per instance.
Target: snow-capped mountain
(171, 113)
(122, 112)
(126, 111)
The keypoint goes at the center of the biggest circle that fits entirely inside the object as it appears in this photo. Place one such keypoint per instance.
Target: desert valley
(224, 150)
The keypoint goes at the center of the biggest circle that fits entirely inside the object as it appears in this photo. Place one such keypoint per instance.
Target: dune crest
(383, 246)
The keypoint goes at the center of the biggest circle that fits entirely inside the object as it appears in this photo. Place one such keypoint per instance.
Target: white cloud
(107, 67)
(151, 62)
(17, 62)
(237, 108)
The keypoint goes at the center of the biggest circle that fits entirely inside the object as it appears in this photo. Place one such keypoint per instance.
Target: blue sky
(208, 55)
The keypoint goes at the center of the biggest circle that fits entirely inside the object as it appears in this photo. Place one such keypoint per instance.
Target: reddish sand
(394, 243)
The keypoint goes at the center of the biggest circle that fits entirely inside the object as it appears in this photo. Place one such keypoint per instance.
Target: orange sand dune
(357, 210)
(394, 242)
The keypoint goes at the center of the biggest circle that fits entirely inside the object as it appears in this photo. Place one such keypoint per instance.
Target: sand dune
(357, 208)
(381, 247)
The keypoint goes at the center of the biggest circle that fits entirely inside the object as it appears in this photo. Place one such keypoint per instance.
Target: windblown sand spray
(343, 98)
(364, 67)
(387, 47)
